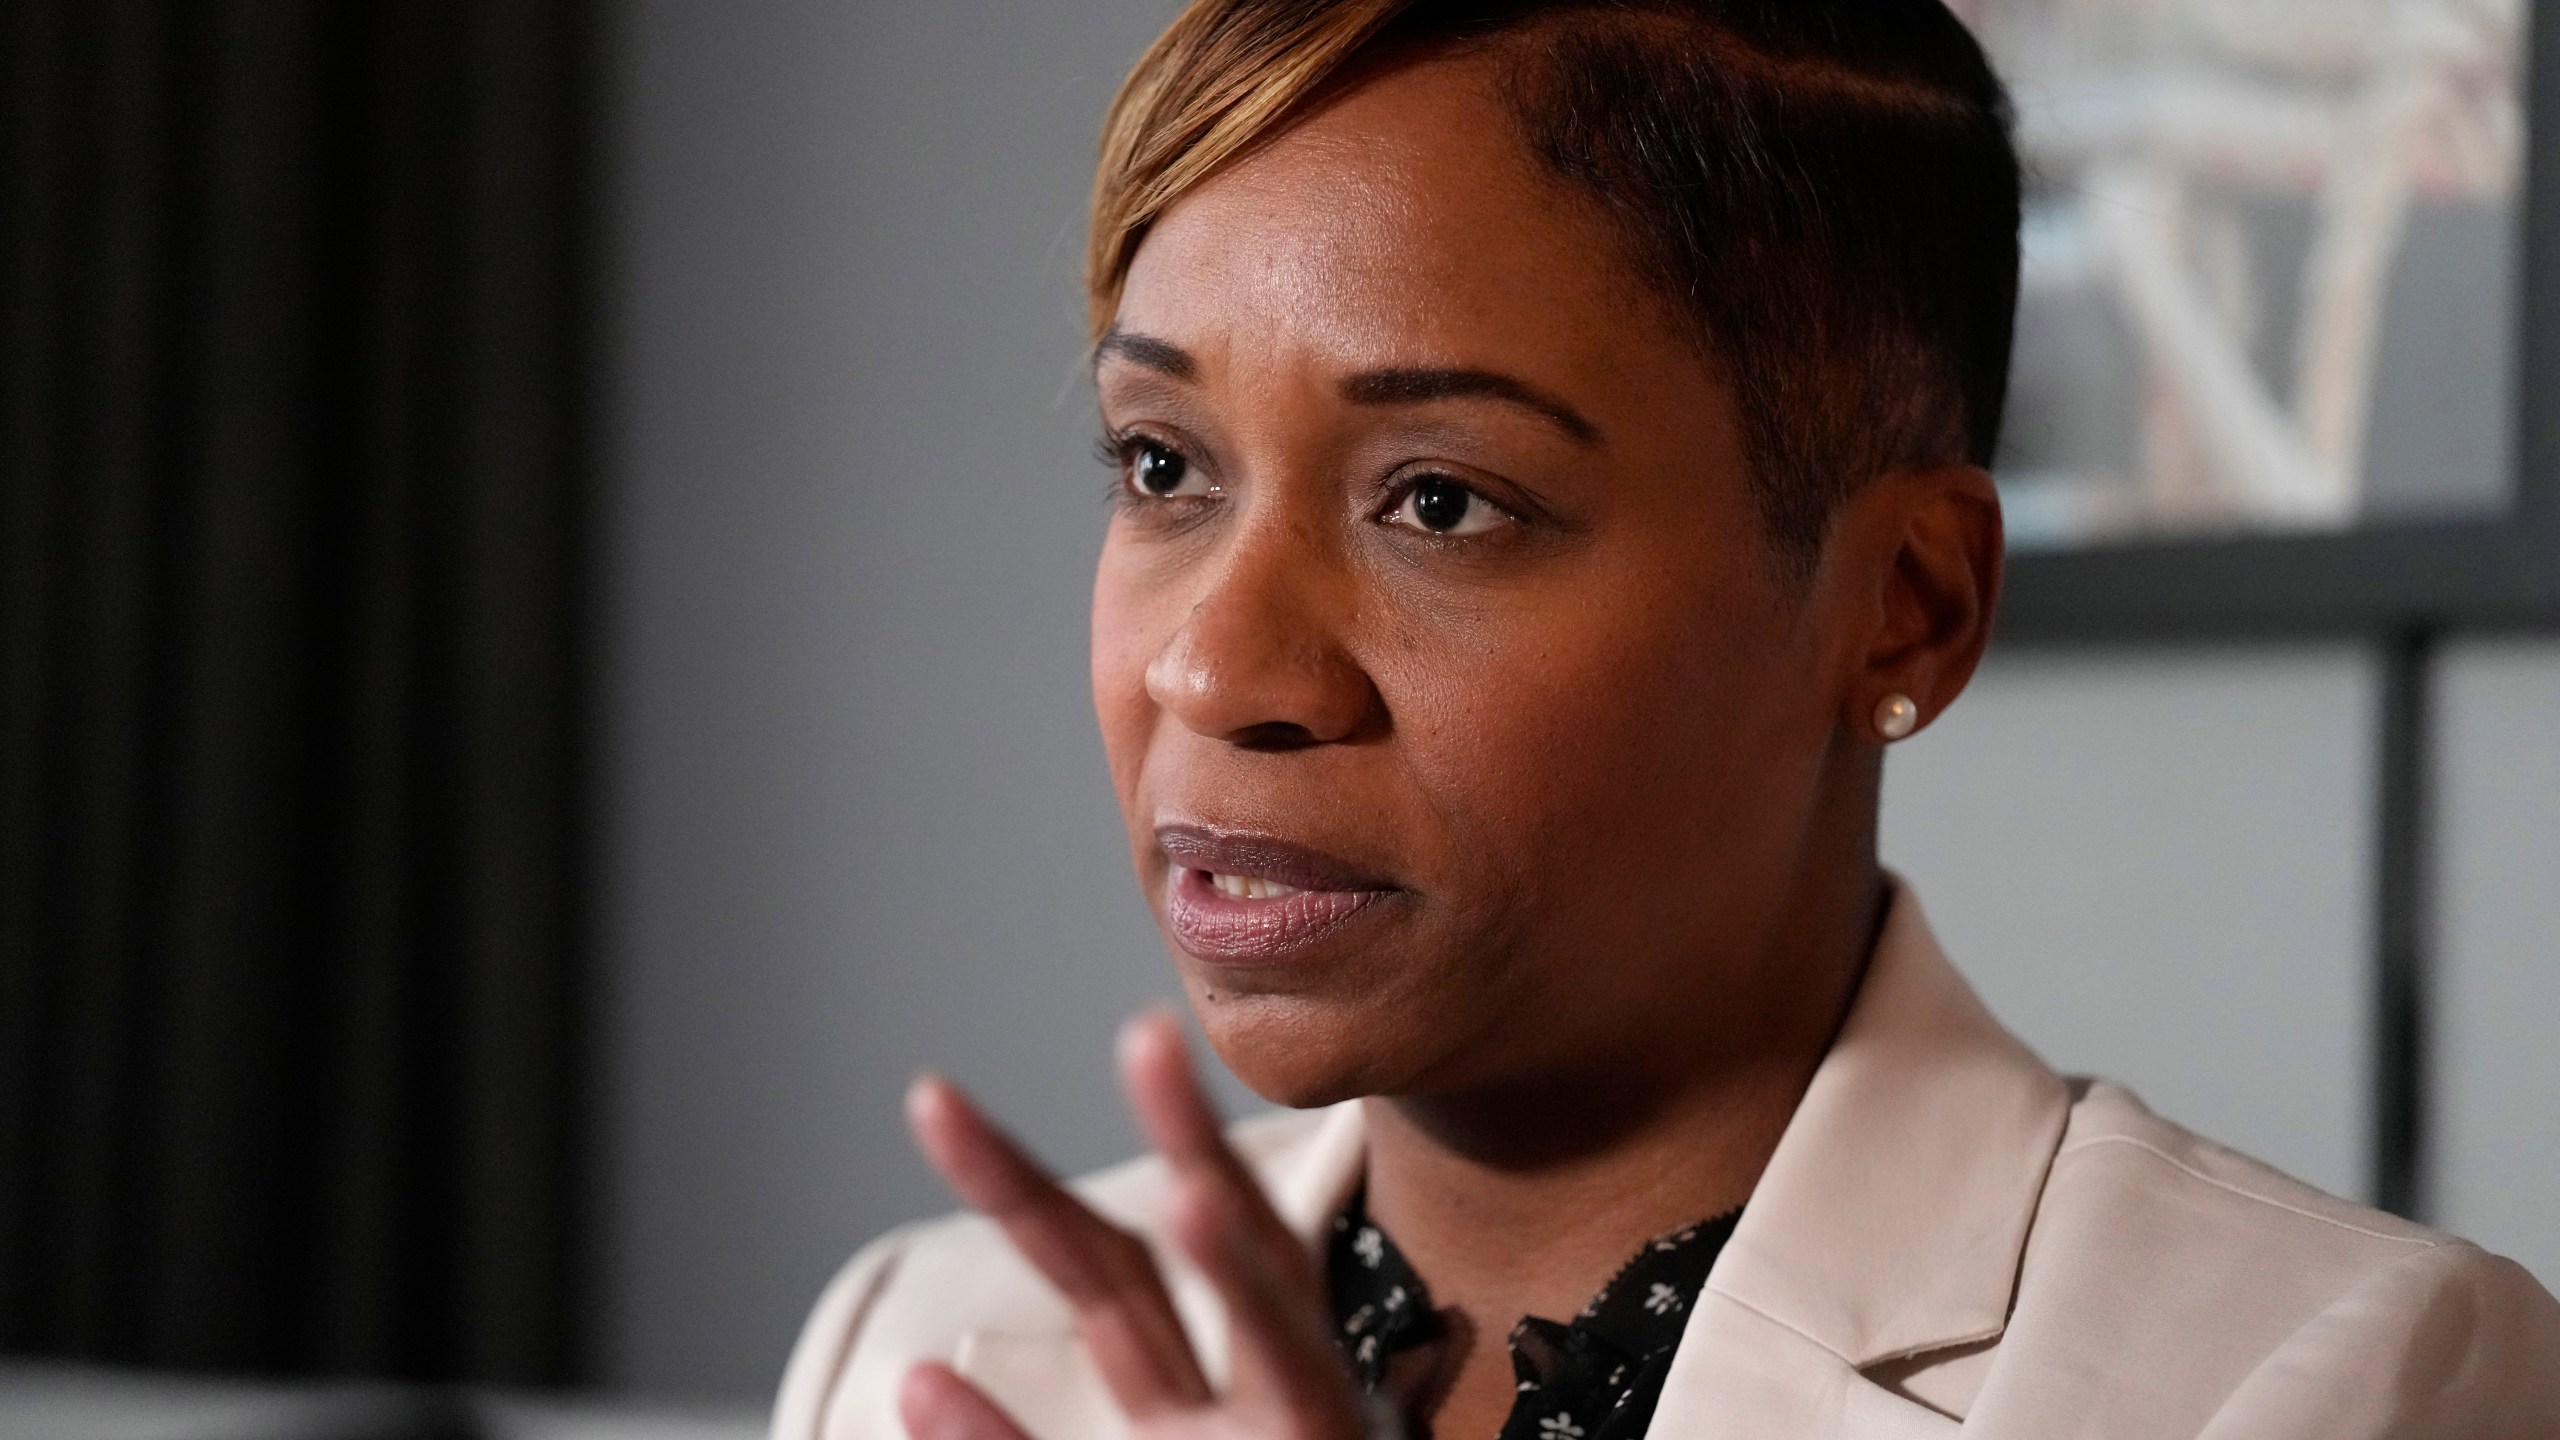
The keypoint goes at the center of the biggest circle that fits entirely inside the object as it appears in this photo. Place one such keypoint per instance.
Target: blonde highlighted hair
(1217, 81)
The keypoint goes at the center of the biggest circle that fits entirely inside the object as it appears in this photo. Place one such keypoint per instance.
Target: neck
(1524, 1202)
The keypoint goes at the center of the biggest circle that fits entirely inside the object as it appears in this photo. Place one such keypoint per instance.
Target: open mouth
(1255, 900)
(1249, 887)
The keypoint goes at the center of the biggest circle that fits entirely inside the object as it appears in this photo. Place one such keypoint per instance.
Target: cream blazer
(1950, 1239)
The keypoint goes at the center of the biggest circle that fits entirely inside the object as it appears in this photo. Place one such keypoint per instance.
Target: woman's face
(1462, 721)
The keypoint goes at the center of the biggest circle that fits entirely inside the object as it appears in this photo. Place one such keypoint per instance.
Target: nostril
(1273, 735)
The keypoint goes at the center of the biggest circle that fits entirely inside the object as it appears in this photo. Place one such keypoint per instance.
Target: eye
(1157, 471)
(1438, 505)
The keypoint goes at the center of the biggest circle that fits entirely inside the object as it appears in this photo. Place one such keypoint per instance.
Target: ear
(1920, 572)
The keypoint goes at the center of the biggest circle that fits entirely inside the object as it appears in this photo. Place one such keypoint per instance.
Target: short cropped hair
(1826, 191)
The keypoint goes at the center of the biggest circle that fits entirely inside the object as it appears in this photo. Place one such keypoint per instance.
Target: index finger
(1106, 1274)
(1180, 1122)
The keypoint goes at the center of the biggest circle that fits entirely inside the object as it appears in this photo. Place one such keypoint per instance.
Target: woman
(1549, 448)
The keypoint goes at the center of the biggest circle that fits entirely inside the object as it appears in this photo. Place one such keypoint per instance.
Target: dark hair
(1826, 189)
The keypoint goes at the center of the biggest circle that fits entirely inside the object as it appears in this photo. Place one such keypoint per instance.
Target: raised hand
(1285, 1380)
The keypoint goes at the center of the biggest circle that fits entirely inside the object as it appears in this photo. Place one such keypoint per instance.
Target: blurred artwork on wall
(2270, 263)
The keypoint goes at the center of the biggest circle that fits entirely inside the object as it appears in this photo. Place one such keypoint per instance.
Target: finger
(1107, 1276)
(1179, 1120)
(1164, 1092)
(937, 1404)
(1279, 1348)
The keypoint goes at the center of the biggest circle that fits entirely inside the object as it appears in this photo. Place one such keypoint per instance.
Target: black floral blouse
(1597, 1378)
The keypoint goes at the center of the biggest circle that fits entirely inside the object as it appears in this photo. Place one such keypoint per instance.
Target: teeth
(1249, 887)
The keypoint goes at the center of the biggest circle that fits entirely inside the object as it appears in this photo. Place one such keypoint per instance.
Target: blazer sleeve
(2452, 1341)
(827, 1340)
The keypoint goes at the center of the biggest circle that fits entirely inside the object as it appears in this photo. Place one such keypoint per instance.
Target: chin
(1297, 1052)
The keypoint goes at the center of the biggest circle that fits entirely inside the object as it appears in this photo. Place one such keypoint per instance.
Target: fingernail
(923, 1093)
(1145, 1028)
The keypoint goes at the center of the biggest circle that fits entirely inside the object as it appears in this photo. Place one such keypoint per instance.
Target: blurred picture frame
(2289, 334)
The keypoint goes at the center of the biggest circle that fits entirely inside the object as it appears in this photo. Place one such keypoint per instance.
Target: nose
(1259, 662)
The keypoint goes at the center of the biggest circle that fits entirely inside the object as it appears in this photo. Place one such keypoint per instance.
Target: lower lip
(1223, 929)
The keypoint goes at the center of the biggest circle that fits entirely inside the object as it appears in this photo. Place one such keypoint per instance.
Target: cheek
(1124, 644)
(1624, 737)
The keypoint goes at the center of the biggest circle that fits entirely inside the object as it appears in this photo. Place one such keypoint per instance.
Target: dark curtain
(291, 490)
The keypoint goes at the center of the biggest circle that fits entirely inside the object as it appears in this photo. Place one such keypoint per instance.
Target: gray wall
(860, 823)
(860, 817)
(2497, 1106)
(2154, 866)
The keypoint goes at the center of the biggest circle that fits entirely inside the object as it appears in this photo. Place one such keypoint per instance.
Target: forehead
(1403, 221)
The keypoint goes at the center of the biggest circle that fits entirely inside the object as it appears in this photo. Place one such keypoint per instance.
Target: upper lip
(1263, 857)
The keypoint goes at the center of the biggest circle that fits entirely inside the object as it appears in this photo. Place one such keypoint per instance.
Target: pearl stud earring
(1897, 717)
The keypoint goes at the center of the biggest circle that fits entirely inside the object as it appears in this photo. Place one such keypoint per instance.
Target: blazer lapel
(1890, 1220)
(1741, 1374)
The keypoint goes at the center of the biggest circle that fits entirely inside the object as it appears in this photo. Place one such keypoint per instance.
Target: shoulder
(2211, 1291)
(2124, 1171)
(934, 1289)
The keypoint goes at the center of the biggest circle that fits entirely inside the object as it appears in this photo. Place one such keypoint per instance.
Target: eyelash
(1114, 447)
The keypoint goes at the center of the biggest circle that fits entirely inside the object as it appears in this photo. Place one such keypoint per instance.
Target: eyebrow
(1418, 386)
(1405, 386)
(1146, 350)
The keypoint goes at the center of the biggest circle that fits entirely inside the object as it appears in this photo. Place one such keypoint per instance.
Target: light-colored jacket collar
(1891, 1218)
(1889, 1222)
